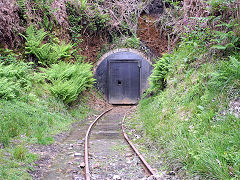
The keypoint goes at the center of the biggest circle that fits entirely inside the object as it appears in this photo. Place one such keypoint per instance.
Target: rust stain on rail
(147, 167)
(87, 171)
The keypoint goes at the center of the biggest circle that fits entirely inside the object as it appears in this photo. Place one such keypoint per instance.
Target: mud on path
(111, 157)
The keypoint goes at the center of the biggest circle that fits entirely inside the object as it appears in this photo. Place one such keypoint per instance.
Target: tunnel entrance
(122, 76)
(124, 81)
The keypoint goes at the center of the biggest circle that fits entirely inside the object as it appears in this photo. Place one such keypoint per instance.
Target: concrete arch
(125, 66)
(104, 56)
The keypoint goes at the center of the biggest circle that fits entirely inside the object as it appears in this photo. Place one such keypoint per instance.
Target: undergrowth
(46, 53)
(15, 163)
(34, 106)
(68, 81)
(15, 79)
(191, 119)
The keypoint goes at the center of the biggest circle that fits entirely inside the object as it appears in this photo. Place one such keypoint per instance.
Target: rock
(80, 142)
(70, 153)
(171, 173)
(74, 171)
(78, 178)
(137, 136)
(90, 154)
(159, 177)
(70, 162)
(82, 165)
(151, 178)
(129, 155)
(95, 176)
(116, 177)
(77, 154)
(68, 171)
(197, 177)
(129, 160)
(235, 107)
(77, 159)
(95, 166)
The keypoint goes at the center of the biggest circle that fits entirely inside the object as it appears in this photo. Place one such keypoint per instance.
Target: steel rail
(144, 162)
(87, 171)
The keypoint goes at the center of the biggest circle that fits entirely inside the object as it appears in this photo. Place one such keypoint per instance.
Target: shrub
(69, 80)
(159, 74)
(14, 80)
(46, 53)
(82, 14)
(132, 42)
(228, 40)
(7, 56)
(220, 5)
(228, 75)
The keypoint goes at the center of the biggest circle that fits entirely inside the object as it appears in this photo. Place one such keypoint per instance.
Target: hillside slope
(192, 115)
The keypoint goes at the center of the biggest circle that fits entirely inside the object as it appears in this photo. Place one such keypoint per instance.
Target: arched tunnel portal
(122, 75)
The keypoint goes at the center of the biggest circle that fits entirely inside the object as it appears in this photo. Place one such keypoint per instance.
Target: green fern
(159, 75)
(229, 40)
(227, 76)
(48, 53)
(60, 51)
(23, 7)
(14, 80)
(34, 39)
(43, 53)
(83, 4)
(69, 80)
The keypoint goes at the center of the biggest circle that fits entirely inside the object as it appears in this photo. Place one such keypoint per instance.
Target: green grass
(190, 118)
(27, 108)
(31, 114)
(35, 121)
(31, 123)
(15, 162)
(120, 148)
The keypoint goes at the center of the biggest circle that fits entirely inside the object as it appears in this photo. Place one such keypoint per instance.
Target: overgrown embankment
(194, 112)
(41, 94)
(44, 76)
(35, 106)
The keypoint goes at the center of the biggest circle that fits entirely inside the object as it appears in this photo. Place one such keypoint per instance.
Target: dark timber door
(123, 81)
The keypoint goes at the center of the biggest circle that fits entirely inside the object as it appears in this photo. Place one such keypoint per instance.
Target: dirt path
(66, 164)
(111, 157)
(62, 159)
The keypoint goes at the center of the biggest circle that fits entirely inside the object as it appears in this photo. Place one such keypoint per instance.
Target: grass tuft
(191, 119)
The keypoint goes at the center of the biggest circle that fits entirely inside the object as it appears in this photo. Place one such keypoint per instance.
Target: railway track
(148, 171)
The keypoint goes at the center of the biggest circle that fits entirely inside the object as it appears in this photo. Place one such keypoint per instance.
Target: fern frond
(69, 80)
